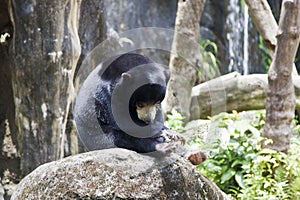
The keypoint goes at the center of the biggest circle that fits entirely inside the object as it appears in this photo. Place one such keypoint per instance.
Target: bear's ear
(126, 76)
(167, 75)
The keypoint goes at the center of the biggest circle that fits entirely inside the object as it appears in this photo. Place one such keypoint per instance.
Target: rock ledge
(117, 174)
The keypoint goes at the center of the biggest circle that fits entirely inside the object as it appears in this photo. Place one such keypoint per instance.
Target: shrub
(245, 170)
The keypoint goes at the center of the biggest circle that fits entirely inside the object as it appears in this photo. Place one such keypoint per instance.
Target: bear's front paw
(166, 148)
(172, 136)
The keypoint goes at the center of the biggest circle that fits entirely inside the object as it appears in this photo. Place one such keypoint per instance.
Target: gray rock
(1, 191)
(117, 174)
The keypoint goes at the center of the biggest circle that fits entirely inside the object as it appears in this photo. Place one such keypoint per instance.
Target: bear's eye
(140, 105)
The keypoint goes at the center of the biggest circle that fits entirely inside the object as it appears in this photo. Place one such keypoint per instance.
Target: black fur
(149, 93)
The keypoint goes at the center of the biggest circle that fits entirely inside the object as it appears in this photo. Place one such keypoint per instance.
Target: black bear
(119, 106)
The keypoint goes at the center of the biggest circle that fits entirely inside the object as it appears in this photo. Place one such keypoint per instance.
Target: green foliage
(274, 175)
(266, 58)
(293, 163)
(297, 128)
(245, 170)
(229, 163)
(210, 63)
(242, 4)
(295, 189)
(175, 121)
(266, 177)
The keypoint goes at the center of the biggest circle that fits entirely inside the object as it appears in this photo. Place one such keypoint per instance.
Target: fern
(295, 189)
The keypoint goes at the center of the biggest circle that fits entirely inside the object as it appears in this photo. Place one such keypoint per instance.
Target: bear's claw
(172, 136)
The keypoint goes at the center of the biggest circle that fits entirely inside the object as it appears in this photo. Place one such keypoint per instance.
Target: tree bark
(265, 22)
(91, 18)
(44, 53)
(91, 31)
(280, 96)
(9, 157)
(37, 69)
(185, 56)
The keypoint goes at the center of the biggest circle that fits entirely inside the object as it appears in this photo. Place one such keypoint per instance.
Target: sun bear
(119, 106)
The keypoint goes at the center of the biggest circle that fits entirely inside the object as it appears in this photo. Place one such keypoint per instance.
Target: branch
(233, 92)
(266, 25)
(265, 22)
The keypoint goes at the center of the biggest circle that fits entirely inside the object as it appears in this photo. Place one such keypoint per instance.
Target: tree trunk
(44, 53)
(37, 69)
(281, 97)
(185, 56)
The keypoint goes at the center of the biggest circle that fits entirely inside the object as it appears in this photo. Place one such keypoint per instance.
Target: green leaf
(227, 175)
(212, 167)
(268, 151)
(236, 162)
(223, 125)
(239, 179)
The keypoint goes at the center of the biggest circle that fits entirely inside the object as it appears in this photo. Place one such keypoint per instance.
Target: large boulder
(117, 174)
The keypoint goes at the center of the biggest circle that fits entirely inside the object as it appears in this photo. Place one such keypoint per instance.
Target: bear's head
(138, 94)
